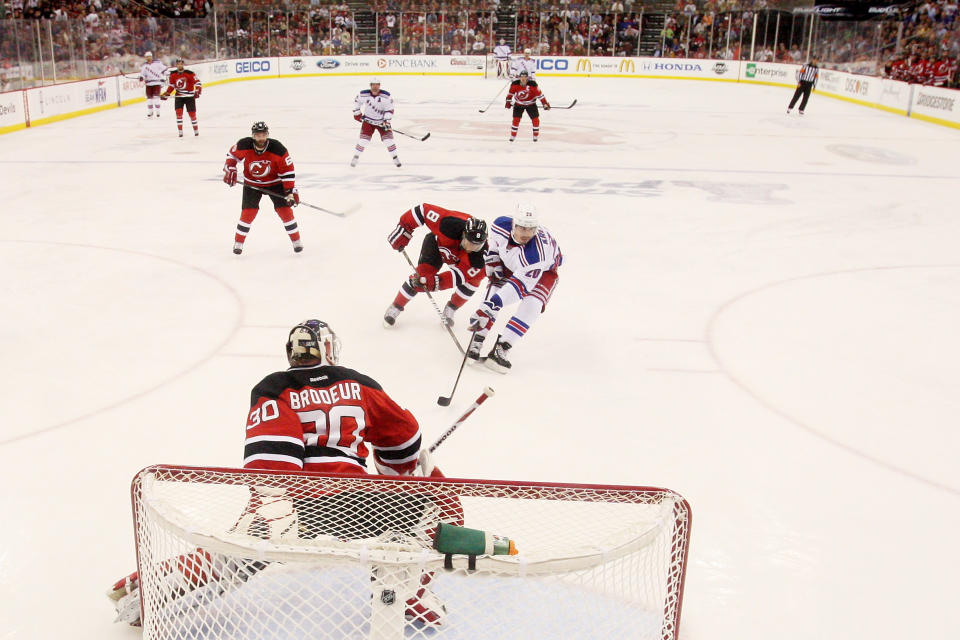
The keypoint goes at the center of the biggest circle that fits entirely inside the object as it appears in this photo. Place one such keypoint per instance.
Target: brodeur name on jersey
(264, 168)
(321, 418)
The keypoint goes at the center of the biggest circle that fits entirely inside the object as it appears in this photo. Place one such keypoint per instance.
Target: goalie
(318, 416)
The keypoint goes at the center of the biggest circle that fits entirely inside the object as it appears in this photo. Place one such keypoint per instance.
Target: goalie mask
(312, 342)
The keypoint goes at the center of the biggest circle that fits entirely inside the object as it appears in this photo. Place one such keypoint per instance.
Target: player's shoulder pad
(189, 71)
(338, 373)
(364, 92)
(386, 93)
(272, 386)
(504, 222)
(245, 144)
(275, 146)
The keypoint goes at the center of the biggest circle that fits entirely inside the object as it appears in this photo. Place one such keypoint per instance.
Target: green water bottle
(472, 542)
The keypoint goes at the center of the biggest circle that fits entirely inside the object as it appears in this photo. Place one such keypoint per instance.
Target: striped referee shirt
(808, 73)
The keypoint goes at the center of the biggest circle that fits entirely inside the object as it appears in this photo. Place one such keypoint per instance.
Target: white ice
(756, 310)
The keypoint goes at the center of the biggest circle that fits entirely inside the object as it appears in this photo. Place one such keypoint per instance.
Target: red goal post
(231, 553)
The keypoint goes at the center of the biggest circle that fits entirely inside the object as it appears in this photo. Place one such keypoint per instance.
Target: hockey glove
(387, 126)
(196, 94)
(230, 175)
(399, 237)
(546, 105)
(358, 117)
(292, 197)
(484, 317)
(496, 273)
(424, 283)
(507, 106)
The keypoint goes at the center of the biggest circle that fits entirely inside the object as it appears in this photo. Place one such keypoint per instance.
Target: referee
(806, 82)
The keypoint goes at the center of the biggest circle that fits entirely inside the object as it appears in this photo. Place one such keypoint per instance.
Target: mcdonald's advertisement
(724, 70)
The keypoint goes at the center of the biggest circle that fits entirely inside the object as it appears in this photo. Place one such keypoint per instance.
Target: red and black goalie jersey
(185, 83)
(324, 418)
(263, 168)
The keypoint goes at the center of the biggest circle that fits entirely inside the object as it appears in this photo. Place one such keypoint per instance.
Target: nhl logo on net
(388, 596)
(297, 64)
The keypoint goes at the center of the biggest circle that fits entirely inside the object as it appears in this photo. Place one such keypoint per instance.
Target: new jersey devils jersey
(263, 168)
(446, 224)
(323, 418)
(525, 95)
(185, 83)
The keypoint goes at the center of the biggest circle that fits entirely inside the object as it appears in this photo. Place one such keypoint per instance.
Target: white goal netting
(234, 554)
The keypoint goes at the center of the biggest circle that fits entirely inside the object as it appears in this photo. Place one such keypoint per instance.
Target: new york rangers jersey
(501, 52)
(153, 73)
(375, 109)
(523, 64)
(523, 264)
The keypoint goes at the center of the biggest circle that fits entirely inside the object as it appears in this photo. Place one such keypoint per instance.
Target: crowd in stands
(921, 45)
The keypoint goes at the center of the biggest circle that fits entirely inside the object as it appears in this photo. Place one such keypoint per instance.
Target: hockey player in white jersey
(153, 74)
(526, 63)
(373, 108)
(521, 261)
(501, 53)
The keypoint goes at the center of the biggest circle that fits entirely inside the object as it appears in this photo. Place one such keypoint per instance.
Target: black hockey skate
(497, 358)
(390, 316)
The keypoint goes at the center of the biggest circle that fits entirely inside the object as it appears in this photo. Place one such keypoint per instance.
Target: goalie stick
(435, 307)
(490, 104)
(487, 393)
(339, 214)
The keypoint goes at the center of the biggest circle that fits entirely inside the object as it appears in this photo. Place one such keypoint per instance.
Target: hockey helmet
(374, 80)
(526, 216)
(475, 231)
(524, 74)
(312, 342)
(259, 127)
(178, 61)
(526, 51)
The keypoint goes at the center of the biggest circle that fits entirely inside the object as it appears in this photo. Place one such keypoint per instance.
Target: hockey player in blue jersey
(521, 261)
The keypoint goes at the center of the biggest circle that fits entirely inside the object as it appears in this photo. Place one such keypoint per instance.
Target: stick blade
(424, 137)
(443, 402)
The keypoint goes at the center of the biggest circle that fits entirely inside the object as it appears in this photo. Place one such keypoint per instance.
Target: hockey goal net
(495, 69)
(231, 554)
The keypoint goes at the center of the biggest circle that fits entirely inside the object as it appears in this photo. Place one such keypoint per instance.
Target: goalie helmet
(312, 342)
(259, 127)
(475, 231)
(526, 216)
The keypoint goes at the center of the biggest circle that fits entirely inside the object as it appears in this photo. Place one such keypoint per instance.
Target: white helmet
(312, 342)
(526, 50)
(374, 80)
(148, 54)
(526, 216)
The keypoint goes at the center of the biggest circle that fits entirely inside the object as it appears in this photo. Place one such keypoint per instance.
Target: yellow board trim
(12, 127)
(863, 103)
(933, 120)
(73, 114)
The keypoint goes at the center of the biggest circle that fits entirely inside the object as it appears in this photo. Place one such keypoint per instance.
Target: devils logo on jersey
(259, 168)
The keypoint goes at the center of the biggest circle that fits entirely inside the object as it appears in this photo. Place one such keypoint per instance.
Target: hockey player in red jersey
(268, 166)
(187, 86)
(319, 416)
(455, 239)
(523, 97)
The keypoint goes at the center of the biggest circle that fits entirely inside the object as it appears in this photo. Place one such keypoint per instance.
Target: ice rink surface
(758, 311)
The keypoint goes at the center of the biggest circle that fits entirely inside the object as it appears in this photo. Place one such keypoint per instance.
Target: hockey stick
(444, 401)
(490, 104)
(410, 135)
(569, 106)
(487, 393)
(435, 306)
(339, 214)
